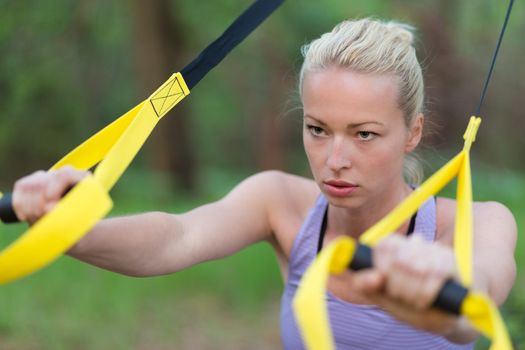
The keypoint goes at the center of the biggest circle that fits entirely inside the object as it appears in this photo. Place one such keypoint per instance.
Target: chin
(350, 202)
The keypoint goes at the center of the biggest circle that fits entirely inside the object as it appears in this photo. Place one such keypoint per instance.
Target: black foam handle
(7, 213)
(450, 297)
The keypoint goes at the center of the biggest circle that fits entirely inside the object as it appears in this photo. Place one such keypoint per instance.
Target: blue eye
(366, 135)
(315, 130)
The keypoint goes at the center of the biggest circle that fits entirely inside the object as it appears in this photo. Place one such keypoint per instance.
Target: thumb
(49, 206)
(368, 281)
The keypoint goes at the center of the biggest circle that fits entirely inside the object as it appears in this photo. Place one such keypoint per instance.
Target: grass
(70, 305)
(232, 303)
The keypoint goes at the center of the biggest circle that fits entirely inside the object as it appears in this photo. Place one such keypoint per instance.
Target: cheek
(385, 158)
(314, 153)
(309, 149)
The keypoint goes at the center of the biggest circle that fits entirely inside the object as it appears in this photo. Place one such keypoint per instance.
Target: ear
(415, 133)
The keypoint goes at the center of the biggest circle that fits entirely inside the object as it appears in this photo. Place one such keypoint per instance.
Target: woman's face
(354, 134)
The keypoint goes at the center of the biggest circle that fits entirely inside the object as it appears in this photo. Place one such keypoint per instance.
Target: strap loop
(113, 147)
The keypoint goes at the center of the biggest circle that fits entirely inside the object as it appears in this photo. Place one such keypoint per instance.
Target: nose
(339, 157)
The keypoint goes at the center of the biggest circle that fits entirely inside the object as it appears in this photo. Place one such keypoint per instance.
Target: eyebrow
(352, 125)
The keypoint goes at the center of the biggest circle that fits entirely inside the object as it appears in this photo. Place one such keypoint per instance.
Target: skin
(353, 131)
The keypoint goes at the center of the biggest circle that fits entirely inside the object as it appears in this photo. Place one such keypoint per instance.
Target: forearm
(133, 245)
(484, 283)
(462, 333)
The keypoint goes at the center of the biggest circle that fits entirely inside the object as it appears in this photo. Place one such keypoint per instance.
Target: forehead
(355, 97)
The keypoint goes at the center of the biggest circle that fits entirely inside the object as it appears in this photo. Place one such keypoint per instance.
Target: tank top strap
(304, 247)
(426, 220)
(305, 243)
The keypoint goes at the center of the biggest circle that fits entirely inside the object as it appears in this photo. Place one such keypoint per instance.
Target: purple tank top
(355, 326)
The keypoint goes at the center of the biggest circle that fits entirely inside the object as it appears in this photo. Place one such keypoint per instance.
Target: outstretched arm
(159, 243)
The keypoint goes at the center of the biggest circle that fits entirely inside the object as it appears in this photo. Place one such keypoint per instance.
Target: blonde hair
(378, 47)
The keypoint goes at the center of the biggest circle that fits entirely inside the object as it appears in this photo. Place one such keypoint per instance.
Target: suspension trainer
(111, 150)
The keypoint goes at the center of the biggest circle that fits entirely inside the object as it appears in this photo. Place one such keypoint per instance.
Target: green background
(67, 68)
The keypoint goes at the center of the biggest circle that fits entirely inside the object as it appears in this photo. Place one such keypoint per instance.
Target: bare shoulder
(288, 199)
(260, 208)
(492, 210)
(495, 236)
(489, 214)
(482, 211)
(496, 220)
(283, 191)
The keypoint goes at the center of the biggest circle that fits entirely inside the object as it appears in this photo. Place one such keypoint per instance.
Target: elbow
(146, 271)
(138, 274)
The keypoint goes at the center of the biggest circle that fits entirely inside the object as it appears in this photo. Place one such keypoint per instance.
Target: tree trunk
(451, 101)
(269, 116)
(157, 41)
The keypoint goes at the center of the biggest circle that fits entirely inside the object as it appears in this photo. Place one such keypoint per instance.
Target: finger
(62, 180)
(398, 277)
(20, 198)
(442, 268)
(35, 204)
(408, 280)
(385, 257)
(368, 281)
(72, 175)
(408, 269)
(28, 196)
(17, 203)
(50, 205)
(384, 253)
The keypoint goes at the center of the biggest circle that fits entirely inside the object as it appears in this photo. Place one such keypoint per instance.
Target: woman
(362, 92)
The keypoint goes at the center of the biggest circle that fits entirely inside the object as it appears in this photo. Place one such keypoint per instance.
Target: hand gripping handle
(450, 297)
(7, 212)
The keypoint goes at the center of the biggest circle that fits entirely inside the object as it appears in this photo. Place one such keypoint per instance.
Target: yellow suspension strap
(310, 305)
(112, 148)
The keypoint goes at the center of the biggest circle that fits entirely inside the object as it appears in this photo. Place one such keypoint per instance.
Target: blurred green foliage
(67, 68)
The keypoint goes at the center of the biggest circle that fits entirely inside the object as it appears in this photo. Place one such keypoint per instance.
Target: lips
(339, 188)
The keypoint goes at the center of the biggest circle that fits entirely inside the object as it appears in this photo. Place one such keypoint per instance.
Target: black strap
(322, 231)
(200, 66)
(236, 32)
(489, 75)
(411, 227)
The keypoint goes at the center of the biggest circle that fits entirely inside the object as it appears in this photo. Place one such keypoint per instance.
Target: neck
(355, 221)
